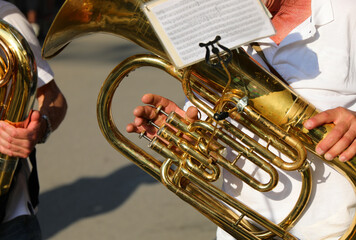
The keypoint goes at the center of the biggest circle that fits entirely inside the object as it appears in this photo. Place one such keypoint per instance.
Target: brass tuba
(248, 93)
(18, 84)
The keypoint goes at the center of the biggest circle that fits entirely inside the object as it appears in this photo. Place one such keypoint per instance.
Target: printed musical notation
(183, 24)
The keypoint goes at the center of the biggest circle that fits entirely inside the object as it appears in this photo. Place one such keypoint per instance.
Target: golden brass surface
(251, 95)
(18, 86)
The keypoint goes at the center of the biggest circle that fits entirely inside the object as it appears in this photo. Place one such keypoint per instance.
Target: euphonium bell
(18, 84)
(244, 90)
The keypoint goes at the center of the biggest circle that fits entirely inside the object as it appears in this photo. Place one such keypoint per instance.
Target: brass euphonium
(248, 93)
(18, 84)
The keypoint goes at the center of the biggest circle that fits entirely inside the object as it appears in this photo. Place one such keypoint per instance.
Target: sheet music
(183, 24)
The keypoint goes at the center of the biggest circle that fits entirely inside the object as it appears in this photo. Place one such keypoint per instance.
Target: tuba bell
(18, 84)
(250, 95)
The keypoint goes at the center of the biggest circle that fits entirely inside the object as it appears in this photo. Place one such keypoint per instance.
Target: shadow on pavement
(88, 197)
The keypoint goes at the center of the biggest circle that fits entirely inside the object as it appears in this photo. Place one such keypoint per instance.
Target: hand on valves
(145, 114)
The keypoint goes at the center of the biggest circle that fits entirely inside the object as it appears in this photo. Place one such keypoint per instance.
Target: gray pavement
(88, 189)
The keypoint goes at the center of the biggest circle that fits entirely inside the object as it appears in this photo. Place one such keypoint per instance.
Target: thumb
(26, 122)
(34, 119)
(192, 114)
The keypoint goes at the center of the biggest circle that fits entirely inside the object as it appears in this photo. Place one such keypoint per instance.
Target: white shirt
(318, 60)
(19, 197)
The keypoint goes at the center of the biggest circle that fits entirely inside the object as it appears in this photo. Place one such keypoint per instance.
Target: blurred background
(88, 189)
(40, 13)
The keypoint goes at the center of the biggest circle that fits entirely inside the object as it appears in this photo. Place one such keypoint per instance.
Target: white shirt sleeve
(13, 16)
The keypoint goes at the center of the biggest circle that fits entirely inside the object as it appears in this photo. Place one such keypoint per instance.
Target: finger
(131, 128)
(7, 131)
(318, 120)
(14, 147)
(145, 112)
(149, 130)
(24, 123)
(18, 141)
(34, 126)
(14, 151)
(18, 135)
(166, 104)
(341, 145)
(155, 100)
(192, 114)
(35, 117)
(331, 138)
(349, 153)
(148, 98)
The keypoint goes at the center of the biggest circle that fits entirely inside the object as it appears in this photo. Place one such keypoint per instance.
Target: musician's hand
(145, 113)
(341, 141)
(19, 142)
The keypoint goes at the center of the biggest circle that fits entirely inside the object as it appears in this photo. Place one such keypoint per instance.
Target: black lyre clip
(216, 51)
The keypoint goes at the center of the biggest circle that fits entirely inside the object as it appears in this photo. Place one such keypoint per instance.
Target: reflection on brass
(18, 83)
(196, 151)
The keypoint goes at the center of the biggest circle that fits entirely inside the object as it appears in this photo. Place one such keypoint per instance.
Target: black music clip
(216, 51)
(221, 116)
